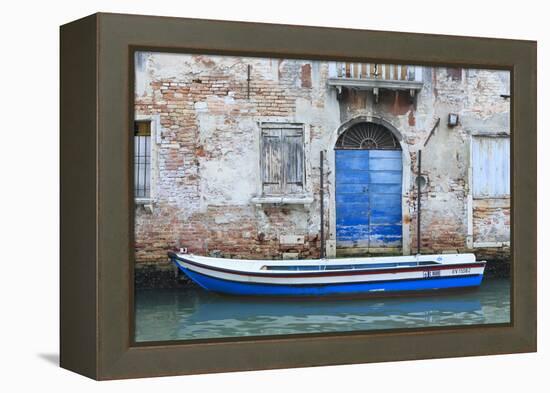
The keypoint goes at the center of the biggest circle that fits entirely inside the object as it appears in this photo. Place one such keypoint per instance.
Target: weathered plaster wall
(491, 220)
(207, 155)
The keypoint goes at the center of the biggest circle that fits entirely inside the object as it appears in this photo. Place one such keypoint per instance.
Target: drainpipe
(321, 203)
(418, 201)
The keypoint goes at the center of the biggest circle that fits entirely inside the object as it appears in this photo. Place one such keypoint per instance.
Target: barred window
(282, 158)
(142, 159)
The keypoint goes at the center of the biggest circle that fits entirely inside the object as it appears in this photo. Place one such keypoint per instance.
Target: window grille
(368, 136)
(142, 159)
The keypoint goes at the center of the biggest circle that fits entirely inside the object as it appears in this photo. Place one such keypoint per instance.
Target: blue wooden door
(368, 199)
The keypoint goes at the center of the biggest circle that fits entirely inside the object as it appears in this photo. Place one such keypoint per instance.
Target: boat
(331, 276)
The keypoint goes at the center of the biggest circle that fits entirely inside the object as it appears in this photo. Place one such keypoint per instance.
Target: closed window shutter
(293, 160)
(491, 167)
(282, 160)
(271, 161)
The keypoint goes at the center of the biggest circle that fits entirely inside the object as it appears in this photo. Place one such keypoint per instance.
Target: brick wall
(491, 220)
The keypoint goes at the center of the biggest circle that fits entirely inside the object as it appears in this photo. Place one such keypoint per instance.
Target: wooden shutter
(282, 160)
(271, 161)
(491, 167)
(293, 160)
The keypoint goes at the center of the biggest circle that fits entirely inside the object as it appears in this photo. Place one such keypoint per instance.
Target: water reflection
(196, 314)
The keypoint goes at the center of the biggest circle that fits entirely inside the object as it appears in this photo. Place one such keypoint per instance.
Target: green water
(180, 314)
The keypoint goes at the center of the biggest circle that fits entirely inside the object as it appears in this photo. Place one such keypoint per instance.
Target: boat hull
(214, 275)
(345, 289)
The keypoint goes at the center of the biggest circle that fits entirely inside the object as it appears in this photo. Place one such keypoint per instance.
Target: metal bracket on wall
(432, 131)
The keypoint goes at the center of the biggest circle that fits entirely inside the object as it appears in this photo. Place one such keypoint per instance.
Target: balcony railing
(375, 76)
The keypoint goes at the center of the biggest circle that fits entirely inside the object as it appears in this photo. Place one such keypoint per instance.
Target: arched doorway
(368, 190)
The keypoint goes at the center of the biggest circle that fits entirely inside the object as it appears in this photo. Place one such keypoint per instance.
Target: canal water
(185, 314)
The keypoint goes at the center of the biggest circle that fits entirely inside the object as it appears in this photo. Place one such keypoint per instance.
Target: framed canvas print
(240, 196)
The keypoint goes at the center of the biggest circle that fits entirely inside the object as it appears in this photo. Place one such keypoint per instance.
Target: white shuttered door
(491, 166)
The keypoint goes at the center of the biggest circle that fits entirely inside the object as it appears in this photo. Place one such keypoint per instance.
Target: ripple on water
(177, 314)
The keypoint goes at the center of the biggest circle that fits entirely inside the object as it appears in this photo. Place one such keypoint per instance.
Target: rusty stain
(200, 152)
(396, 103)
(205, 60)
(306, 75)
(412, 120)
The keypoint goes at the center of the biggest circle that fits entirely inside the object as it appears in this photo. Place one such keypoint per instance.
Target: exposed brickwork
(491, 220)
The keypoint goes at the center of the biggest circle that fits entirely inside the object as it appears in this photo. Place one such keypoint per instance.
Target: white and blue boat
(332, 277)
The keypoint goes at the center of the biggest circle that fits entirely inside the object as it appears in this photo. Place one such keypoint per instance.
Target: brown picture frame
(96, 298)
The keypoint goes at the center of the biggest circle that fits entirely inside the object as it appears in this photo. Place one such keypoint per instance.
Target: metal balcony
(371, 76)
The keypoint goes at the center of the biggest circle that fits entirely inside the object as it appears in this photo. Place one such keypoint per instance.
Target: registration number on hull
(454, 272)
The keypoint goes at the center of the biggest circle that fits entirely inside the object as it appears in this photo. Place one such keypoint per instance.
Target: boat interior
(348, 267)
